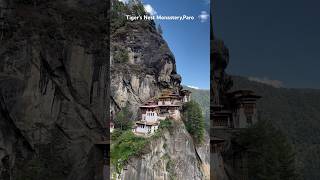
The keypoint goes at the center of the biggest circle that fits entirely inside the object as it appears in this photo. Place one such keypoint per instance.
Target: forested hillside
(296, 112)
(202, 97)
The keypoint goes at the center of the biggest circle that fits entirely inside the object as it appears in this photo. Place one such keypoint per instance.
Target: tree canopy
(270, 154)
(194, 121)
(123, 120)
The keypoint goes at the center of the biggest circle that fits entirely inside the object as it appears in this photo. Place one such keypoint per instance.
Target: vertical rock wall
(53, 95)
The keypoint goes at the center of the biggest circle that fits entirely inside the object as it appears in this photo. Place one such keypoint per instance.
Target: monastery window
(141, 125)
(221, 121)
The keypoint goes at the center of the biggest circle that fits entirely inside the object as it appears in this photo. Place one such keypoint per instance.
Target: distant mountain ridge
(297, 113)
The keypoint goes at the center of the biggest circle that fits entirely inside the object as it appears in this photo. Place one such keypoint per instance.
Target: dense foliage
(202, 97)
(166, 124)
(124, 147)
(121, 55)
(119, 10)
(297, 113)
(123, 120)
(194, 121)
(270, 155)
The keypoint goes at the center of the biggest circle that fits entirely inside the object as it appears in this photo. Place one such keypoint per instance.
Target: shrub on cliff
(167, 123)
(270, 155)
(194, 121)
(123, 120)
(126, 146)
(121, 55)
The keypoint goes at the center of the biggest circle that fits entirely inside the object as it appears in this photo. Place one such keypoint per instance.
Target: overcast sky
(272, 39)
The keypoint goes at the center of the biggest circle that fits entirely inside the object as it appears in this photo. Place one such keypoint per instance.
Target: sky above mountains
(271, 40)
(188, 40)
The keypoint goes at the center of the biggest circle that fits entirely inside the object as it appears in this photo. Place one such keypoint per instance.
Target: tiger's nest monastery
(167, 105)
(239, 111)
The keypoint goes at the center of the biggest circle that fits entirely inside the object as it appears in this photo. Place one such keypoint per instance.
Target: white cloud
(193, 87)
(149, 9)
(124, 1)
(265, 80)
(204, 16)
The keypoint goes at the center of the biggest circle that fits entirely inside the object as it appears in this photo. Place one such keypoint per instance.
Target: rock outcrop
(221, 82)
(148, 68)
(219, 85)
(173, 156)
(53, 96)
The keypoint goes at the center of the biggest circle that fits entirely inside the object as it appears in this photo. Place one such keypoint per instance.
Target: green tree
(121, 55)
(194, 121)
(123, 119)
(270, 155)
(127, 145)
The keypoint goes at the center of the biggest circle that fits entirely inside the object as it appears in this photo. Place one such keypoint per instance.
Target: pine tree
(123, 119)
(194, 120)
(271, 156)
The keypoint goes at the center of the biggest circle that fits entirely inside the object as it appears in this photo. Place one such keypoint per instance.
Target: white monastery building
(167, 105)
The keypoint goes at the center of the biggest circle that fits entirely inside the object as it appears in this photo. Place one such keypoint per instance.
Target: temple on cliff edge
(231, 113)
(166, 106)
(238, 111)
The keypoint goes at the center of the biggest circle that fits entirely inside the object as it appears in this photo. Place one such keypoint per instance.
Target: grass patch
(164, 124)
(125, 146)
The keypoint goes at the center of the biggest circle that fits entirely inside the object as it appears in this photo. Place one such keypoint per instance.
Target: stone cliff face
(219, 79)
(53, 93)
(173, 156)
(149, 67)
(220, 60)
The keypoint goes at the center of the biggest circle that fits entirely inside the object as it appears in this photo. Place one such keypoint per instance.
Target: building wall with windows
(150, 116)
